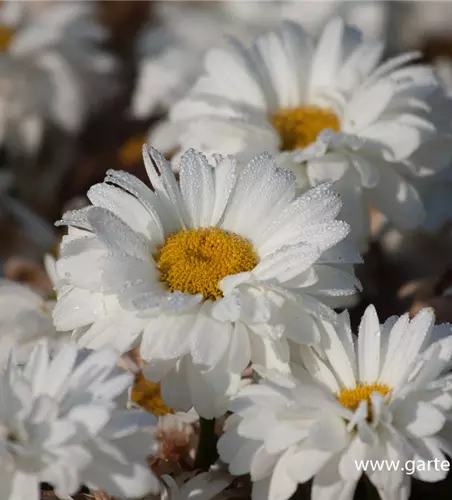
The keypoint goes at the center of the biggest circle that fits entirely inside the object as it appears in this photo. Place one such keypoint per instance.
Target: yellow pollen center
(147, 394)
(351, 398)
(5, 37)
(132, 150)
(299, 127)
(195, 260)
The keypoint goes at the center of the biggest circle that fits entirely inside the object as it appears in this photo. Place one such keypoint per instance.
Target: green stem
(206, 454)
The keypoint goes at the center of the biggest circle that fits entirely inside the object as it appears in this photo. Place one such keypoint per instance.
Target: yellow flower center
(131, 151)
(196, 260)
(299, 127)
(5, 37)
(147, 394)
(351, 398)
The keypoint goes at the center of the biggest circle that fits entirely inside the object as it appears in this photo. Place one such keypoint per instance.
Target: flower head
(205, 276)
(171, 50)
(329, 111)
(386, 396)
(60, 424)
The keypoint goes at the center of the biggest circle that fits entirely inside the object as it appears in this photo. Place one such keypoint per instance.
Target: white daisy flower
(384, 397)
(170, 49)
(329, 112)
(25, 319)
(59, 424)
(204, 276)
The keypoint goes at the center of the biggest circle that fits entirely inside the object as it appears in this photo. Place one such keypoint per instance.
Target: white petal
(167, 337)
(338, 346)
(209, 341)
(418, 418)
(208, 400)
(197, 187)
(126, 207)
(327, 55)
(369, 346)
(283, 435)
(319, 369)
(239, 349)
(262, 464)
(307, 463)
(353, 454)
(175, 387)
(328, 433)
(224, 179)
(405, 342)
(117, 235)
(77, 308)
(164, 184)
(397, 199)
(262, 190)
(24, 486)
(328, 485)
(367, 105)
(282, 485)
(241, 463)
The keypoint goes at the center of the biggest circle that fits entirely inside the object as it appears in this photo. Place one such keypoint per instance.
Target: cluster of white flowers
(386, 396)
(231, 266)
(236, 256)
(329, 110)
(53, 70)
(61, 423)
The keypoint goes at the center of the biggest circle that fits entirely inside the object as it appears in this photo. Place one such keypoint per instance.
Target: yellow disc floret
(132, 150)
(351, 398)
(147, 394)
(299, 127)
(195, 260)
(5, 37)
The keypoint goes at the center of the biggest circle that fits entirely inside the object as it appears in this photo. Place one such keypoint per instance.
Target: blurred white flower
(329, 112)
(25, 319)
(436, 192)
(59, 424)
(386, 396)
(171, 49)
(33, 93)
(205, 276)
(54, 71)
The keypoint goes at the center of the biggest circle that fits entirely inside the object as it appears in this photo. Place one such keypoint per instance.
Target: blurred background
(84, 84)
